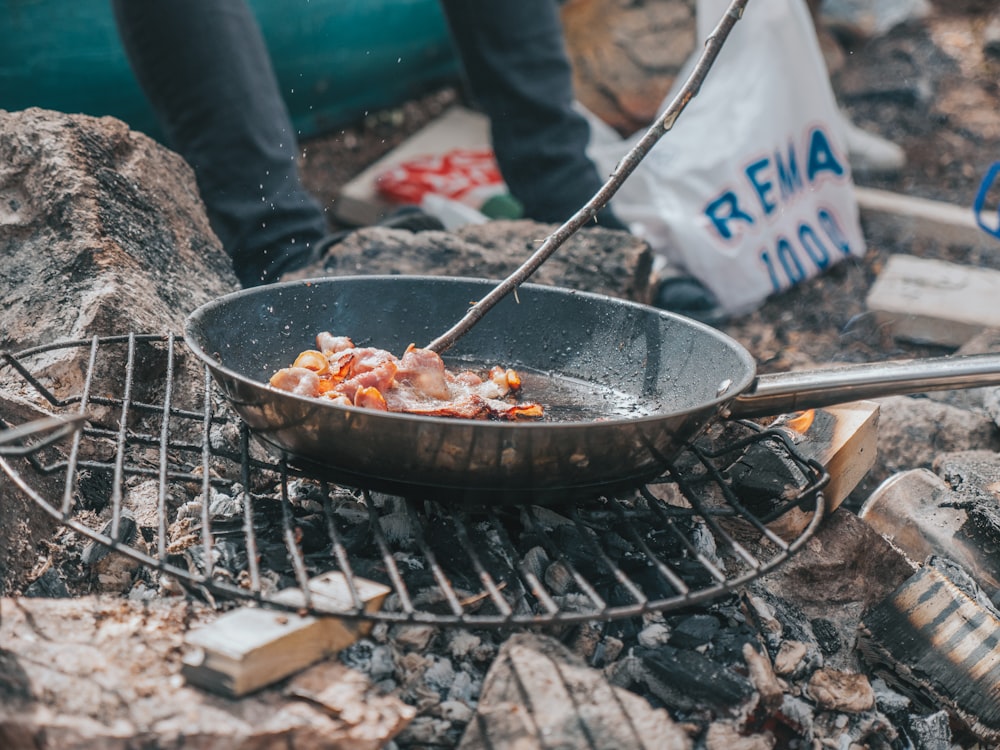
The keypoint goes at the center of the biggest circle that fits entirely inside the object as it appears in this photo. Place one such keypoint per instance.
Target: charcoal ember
(466, 686)
(454, 712)
(584, 640)
(306, 496)
(793, 720)
(694, 630)
(228, 559)
(439, 675)
(110, 570)
(625, 630)
(370, 658)
(765, 478)
(727, 645)
(49, 585)
(464, 645)
(684, 681)
(94, 489)
(607, 651)
(926, 729)
(312, 535)
(827, 635)
(412, 637)
(224, 435)
(930, 732)
(455, 558)
(428, 731)
(126, 533)
(352, 526)
(226, 506)
(779, 621)
(559, 578)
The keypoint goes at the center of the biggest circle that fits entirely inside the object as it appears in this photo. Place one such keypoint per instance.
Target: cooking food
(416, 383)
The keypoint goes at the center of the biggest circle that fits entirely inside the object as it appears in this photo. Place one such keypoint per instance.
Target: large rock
(103, 231)
(598, 260)
(627, 55)
(913, 431)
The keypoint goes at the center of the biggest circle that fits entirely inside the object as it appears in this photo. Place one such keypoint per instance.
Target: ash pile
(878, 632)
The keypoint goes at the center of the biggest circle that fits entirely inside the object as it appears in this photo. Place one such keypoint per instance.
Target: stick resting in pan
(416, 383)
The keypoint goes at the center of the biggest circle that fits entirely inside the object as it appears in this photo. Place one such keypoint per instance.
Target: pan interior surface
(623, 382)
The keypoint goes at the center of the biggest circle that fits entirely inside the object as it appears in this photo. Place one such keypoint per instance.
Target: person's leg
(517, 69)
(206, 71)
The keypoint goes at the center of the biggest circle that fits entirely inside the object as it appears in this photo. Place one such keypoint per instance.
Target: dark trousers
(205, 69)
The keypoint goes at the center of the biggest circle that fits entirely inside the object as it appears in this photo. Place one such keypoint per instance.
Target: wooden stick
(626, 166)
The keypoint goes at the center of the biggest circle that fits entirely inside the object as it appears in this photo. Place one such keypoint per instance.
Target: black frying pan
(625, 385)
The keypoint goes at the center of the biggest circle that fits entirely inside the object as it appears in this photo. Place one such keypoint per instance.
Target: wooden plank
(844, 439)
(250, 647)
(850, 450)
(933, 301)
(912, 217)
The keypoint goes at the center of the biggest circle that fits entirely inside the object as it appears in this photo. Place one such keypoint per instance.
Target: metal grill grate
(181, 487)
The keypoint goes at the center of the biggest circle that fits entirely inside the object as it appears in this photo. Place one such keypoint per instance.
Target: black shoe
(687, 296)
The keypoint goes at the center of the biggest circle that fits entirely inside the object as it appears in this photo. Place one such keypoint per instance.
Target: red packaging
(469, 176)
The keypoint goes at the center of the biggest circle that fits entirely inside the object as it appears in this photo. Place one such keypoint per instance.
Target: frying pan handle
(779, 393)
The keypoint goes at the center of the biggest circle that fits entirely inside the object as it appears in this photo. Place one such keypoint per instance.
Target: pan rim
(733, 390)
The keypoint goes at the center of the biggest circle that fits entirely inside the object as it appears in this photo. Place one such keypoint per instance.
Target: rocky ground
(930, 83)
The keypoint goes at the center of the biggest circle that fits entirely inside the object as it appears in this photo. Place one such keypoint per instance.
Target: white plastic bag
(751, 191)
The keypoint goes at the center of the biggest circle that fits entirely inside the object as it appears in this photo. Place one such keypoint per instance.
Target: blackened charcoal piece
(687, 680)
(696, 630)
(763, 478)
(727, 645)
(126, 534)
(49, 585)
(827, 635)
(931, 732)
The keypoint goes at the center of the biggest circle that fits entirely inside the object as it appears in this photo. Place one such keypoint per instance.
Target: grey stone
(104, 232)
(599, 260)
(912, 431)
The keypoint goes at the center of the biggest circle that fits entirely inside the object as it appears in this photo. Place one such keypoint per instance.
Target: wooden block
(848, 451)
(250, 647)
(932, 301)
(913, 217)
(844, 439)
(359, 203)
(331, 593)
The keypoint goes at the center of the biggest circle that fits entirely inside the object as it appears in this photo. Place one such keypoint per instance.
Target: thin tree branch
(662, 124)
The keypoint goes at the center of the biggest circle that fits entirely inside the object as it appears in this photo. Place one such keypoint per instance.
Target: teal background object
(335, 59)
